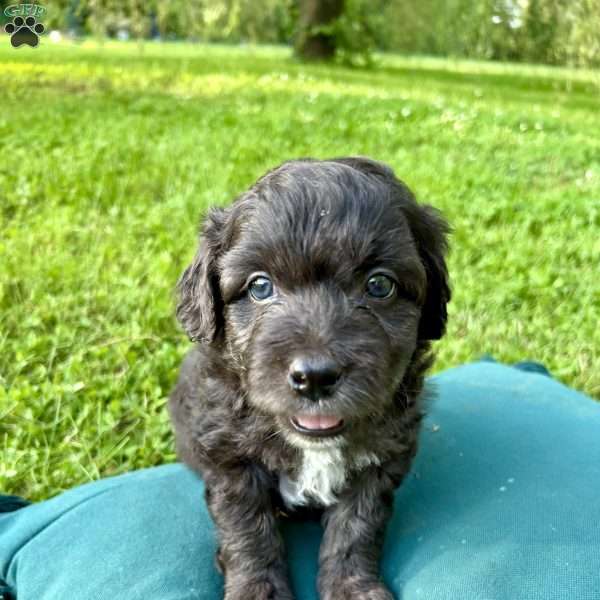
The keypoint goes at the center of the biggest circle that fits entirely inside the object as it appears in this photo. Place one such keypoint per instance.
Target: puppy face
(316, 286)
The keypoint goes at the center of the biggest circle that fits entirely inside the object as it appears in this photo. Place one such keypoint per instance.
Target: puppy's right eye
(261, 288)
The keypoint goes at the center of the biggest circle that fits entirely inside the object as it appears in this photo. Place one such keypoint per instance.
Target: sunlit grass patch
(110, 153)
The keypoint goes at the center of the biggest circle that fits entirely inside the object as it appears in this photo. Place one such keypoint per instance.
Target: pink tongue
(317, 421)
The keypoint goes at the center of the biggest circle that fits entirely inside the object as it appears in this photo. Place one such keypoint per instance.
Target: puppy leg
(351, 546)
(251, 551)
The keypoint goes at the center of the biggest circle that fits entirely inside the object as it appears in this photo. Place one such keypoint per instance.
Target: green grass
(110, 154)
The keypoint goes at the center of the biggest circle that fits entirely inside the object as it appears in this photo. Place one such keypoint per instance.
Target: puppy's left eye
(261, 288)
(380, 286)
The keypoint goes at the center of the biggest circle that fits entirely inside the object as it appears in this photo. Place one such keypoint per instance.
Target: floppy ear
(430, 231)
(200, 306)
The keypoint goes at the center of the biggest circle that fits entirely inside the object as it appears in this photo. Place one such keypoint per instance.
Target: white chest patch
(321, 475)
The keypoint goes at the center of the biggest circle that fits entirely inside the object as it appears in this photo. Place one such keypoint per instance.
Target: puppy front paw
(355, 588)
(264, 587)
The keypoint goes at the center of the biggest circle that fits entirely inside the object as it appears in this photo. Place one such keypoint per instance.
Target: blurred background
(557, 32)
(129, 119)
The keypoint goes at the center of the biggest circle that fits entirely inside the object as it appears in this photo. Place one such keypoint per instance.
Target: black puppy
(313, 299)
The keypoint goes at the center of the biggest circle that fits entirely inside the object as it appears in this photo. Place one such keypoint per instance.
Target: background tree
(546, 31)
(316, 38)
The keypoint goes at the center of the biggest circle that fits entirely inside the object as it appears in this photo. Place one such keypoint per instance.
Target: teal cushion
(502, 503)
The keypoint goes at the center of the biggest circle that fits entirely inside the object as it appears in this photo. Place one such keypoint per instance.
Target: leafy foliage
(562, 32)
(543, 31)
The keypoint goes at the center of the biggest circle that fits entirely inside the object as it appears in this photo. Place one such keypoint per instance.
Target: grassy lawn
(109, 155)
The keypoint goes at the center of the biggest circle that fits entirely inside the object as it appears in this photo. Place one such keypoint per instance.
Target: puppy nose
(313, 376)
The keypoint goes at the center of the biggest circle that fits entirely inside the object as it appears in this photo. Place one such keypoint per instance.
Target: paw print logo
(24, 31)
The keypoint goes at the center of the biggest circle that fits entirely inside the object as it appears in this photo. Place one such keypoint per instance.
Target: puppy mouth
(318, 425)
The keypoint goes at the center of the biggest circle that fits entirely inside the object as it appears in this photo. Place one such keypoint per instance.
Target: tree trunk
(313, 45)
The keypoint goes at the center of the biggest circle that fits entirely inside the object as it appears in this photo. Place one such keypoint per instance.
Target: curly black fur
(318, 229)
